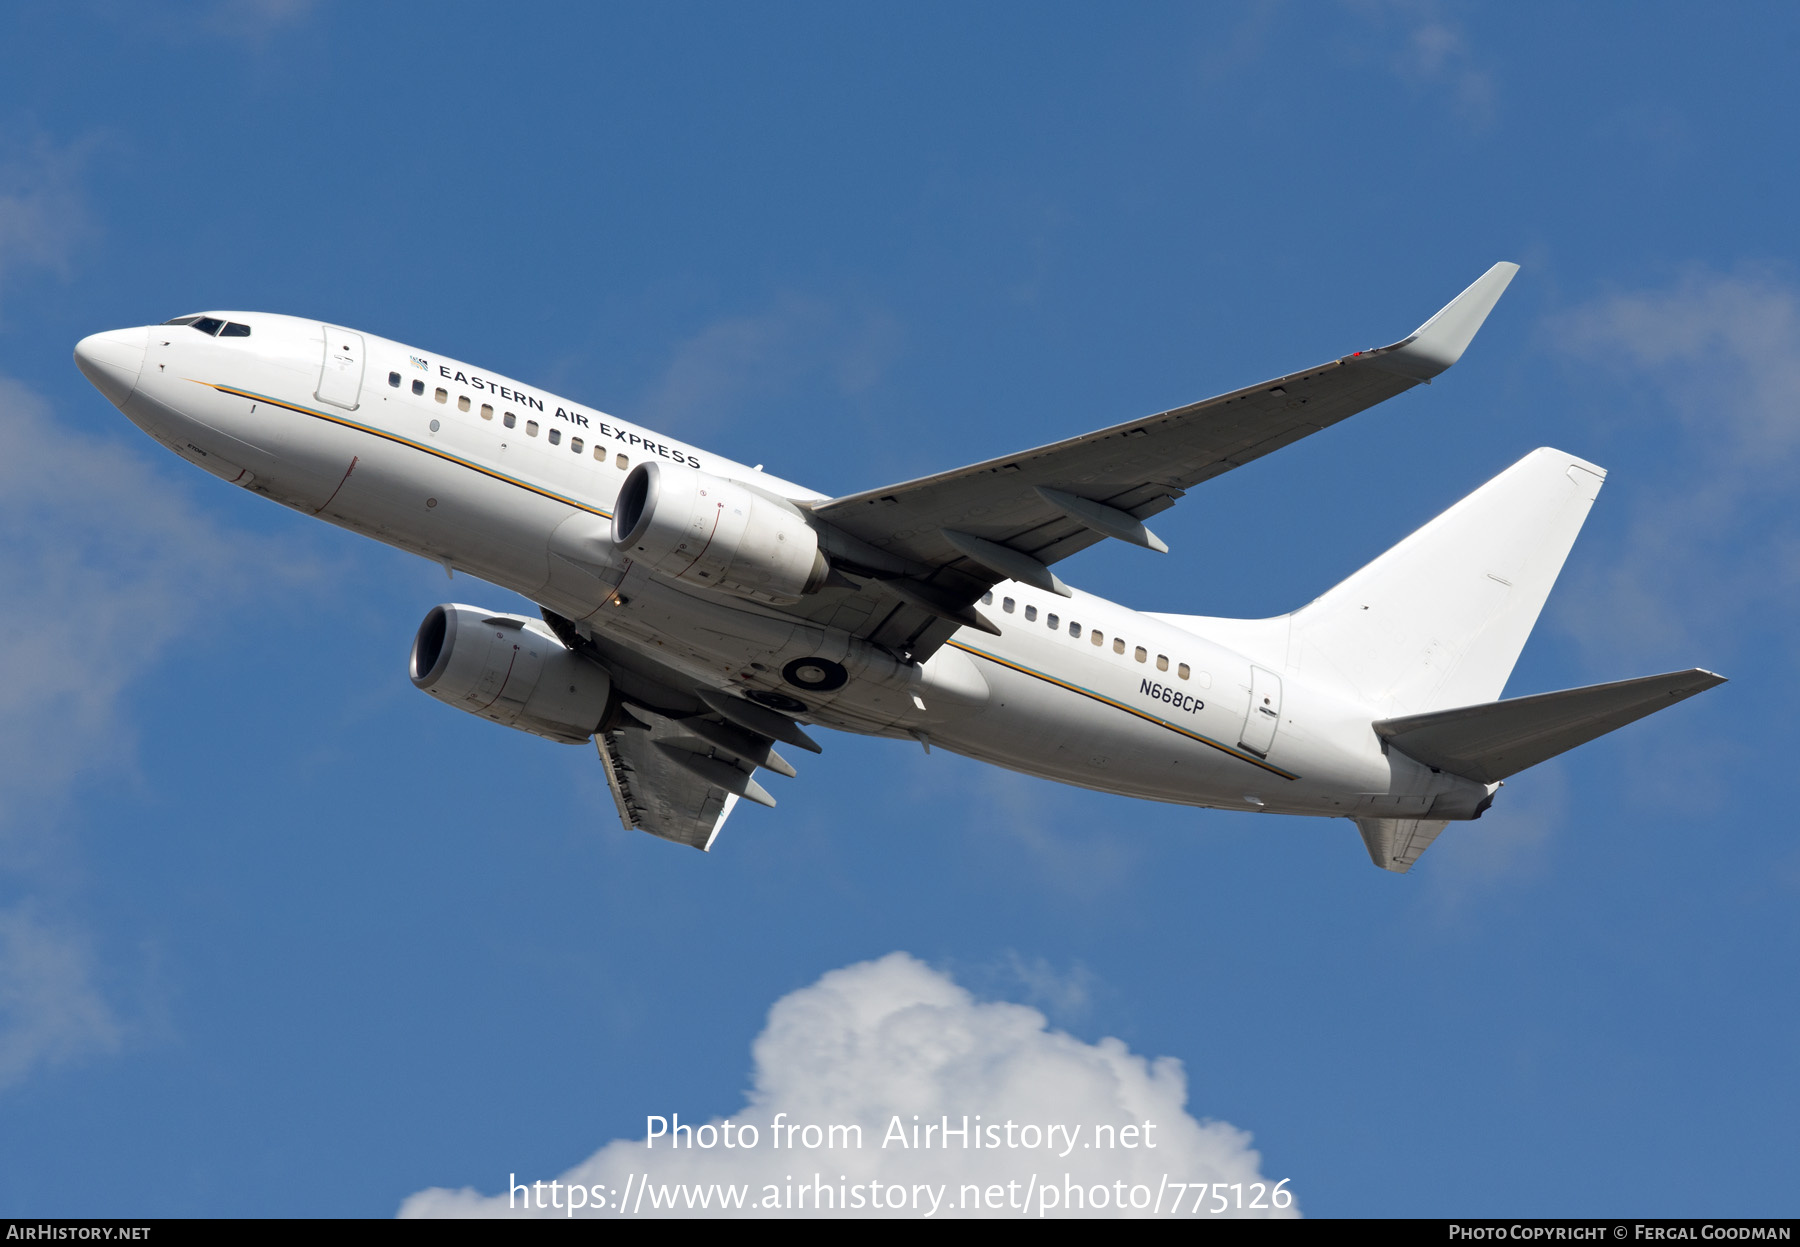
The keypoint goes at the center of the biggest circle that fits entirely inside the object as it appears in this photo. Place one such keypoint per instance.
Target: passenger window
(235, 330)
(394, 379)
(575, 444)
(1162, 662)
(1052, 622)
(531, 428)
(556, 437)
(487, 411)
(509, 420)
(462, 402)
(1031, 614)
(1142, 655)
(442, 395)
(419, 388)
(1182, 671)
(1118, 645)
(1007, 605)
(599, 454)
(622, 463)
(208, 326)
(1074, 629)
(987, 599)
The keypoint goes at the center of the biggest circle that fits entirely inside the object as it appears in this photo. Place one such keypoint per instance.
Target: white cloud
(106, 564)
(1509, 844)
(272, 11)
(43, 212)
(891, 1039)
(50, 1011)
(1061, 993)
(1026, 818)
(1237, 45)
(1434, 52)
(103, 565)
(1088, 861)
(1723, 348)
(256, 26)
(258, 21)
(1709, 368)
(796, 342)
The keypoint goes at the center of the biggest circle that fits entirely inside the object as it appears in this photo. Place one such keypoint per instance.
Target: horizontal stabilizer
(1489, 742)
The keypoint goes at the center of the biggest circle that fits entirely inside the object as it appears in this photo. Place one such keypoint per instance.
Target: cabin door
(1265, 712)
(340, 378)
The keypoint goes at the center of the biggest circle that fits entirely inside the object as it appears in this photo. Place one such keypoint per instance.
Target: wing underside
(678, 755)
(656, 795)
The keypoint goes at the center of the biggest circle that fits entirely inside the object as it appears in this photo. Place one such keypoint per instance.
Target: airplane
(696, 612)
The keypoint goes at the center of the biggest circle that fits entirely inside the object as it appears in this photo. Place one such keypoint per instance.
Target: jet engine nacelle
(510, 669)
(703, 530)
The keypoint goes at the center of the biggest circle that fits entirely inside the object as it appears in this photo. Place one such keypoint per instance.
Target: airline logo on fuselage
(481, 384)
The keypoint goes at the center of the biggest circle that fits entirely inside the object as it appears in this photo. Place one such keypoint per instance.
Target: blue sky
(280, 935)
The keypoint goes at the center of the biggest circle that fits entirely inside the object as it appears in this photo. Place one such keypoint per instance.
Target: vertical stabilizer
(1440, 619)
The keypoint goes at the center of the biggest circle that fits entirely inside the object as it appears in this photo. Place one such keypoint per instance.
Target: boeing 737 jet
(696, 612)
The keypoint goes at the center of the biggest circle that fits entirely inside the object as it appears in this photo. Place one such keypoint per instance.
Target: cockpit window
(235, 330)
(208, 325)
(182, 320)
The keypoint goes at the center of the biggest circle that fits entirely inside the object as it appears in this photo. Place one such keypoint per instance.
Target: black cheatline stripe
(410, 444)
(1119, 705)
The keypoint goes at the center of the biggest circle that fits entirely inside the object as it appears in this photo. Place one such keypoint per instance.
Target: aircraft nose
(113, 360)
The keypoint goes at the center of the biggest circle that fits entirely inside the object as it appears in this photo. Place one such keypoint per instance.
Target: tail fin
(1439, 620)
(1428, 633)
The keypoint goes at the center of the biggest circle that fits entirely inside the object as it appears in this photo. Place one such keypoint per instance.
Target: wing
(680, 778)
(656, 795)
(678, 756)
(937, 543)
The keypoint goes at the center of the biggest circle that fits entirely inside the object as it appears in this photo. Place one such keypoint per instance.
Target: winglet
(1440, 341)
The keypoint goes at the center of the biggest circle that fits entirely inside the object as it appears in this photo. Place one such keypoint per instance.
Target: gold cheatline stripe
(1119, 705)
(402, 441)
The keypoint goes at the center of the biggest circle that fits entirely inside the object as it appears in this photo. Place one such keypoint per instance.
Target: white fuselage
(515, 485)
